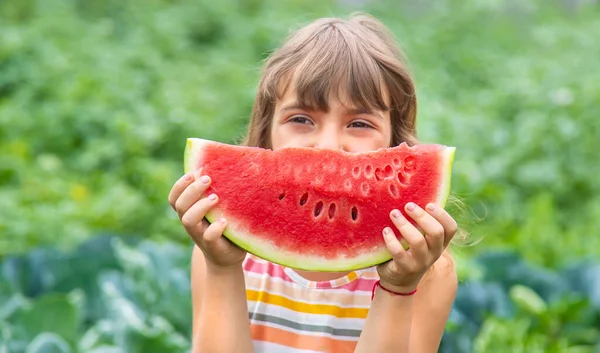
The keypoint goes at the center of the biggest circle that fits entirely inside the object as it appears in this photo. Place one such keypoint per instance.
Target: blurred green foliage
(115, 294)
(98, 97)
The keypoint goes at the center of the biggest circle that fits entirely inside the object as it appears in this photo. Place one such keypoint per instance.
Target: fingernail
(212, 197)
(205, 179)
(223, 220)
(410, 206)
(187, 177)
(395, 213)
(387, 231)
(431, 207)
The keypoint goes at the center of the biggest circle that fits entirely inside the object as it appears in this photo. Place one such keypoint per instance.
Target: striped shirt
(290, 314)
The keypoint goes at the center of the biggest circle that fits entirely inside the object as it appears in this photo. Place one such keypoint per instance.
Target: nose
(329, 138)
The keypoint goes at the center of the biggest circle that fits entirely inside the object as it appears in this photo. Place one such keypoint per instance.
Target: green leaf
(527, 299)
(508, 268)
(106, 349)
(582, 349)
(476, 300)
(11, 305)
(101, 334)
(47, 342)
(55, 313)
(499, 335)
(584, 278)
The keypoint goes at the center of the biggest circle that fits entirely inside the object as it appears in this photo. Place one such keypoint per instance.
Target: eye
(360, 124)
(298, 119)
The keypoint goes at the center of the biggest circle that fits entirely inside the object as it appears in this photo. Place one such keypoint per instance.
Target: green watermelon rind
(445, 188)
(289, 259)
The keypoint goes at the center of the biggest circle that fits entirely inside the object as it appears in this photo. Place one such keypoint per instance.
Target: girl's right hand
(186, 198)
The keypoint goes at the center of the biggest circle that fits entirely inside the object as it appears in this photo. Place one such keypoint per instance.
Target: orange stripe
(298, 341)
(325, 309)
(352, 276)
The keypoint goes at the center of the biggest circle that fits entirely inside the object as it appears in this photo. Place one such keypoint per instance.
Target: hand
(186, 198)
(407, 267)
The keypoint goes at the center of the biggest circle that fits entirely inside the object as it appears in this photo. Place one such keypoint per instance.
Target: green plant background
(98, 97)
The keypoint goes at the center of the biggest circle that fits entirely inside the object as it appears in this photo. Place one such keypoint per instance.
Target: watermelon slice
(315, 209)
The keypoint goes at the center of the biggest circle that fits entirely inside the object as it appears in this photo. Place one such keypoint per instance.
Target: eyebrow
(357, 111)
(349, 111)
(297, 106)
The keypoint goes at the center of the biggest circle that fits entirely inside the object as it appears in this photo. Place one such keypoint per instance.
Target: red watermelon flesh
(315, 209)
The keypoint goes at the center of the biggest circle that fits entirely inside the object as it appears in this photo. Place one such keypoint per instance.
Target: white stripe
(268, 347)
(306, 333)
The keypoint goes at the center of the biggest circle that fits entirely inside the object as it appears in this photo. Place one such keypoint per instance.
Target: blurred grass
(97, 98)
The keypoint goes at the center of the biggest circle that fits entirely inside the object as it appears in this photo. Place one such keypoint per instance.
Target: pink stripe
(324, 285)
(360, 284)
(260, 268)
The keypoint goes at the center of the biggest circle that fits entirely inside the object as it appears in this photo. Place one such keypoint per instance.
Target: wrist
(398, 289)
(222, 270)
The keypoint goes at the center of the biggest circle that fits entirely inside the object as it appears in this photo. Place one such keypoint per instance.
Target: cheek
(280, 137)
(387, 134)
(276, 142)
(291, 136)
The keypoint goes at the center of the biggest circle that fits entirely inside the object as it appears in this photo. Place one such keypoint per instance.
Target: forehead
(316, 95)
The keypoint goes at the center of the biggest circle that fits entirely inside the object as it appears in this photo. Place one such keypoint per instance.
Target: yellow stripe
(324, 309)
(351, 276)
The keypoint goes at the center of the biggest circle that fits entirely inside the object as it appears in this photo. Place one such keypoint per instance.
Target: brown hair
(358, 57)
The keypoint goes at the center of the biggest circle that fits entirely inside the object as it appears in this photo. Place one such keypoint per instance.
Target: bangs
(331, 65)
(355, 62)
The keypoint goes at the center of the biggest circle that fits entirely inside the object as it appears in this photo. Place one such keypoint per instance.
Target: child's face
(339, 128)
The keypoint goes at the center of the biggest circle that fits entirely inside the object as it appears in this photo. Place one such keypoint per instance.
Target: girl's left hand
(407, 267)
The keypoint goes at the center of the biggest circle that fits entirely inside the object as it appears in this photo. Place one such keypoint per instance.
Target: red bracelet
(377, 284)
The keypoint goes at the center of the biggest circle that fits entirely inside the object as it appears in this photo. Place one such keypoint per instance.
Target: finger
(414, 238)
(214, 230)
(212, 239)
(178, 188)
(448, 223)
(400, 259)
(193, 218)
(192, 194)
(434, 231)
(393, 244)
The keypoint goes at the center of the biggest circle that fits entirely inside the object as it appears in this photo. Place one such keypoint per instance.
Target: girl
(338, 84)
